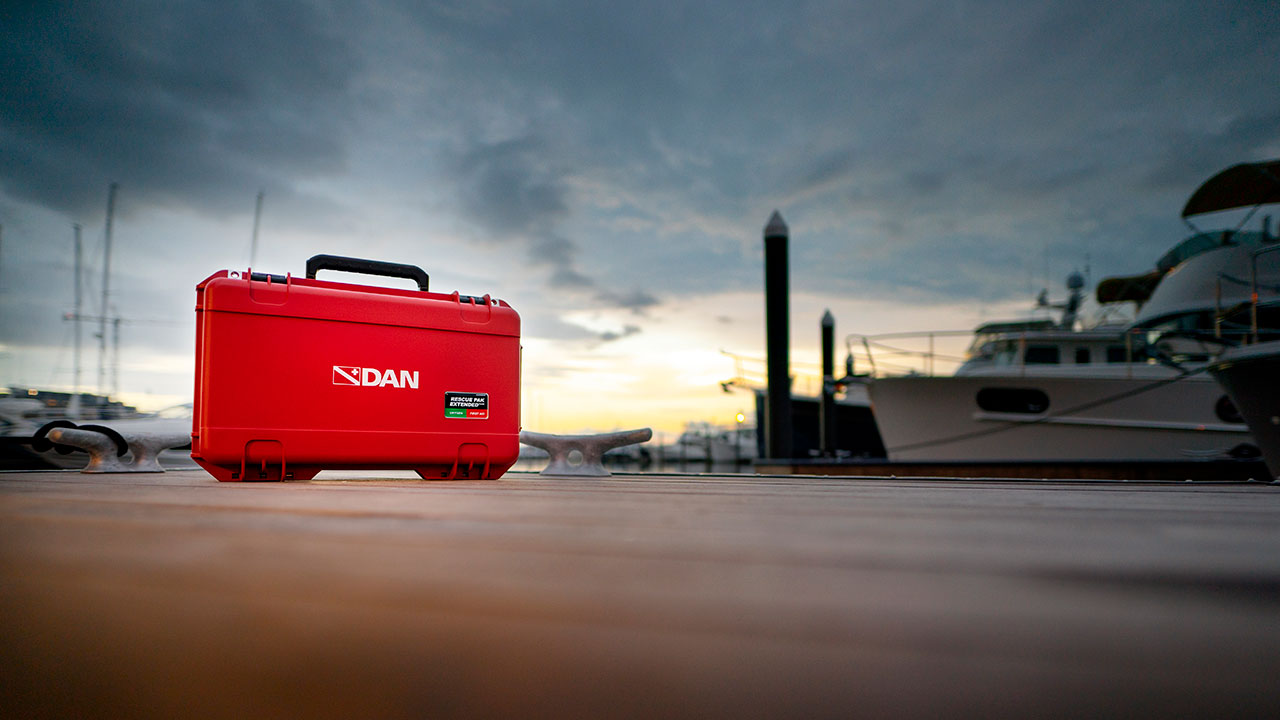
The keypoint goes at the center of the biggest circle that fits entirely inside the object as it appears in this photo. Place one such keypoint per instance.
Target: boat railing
(933, 353)
(1252, 303)
(907, 353)
(911, 353)
(1254, 287)
(750, 373)
(942, 352)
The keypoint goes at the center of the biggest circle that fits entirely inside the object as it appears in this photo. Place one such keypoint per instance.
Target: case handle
(369, 267)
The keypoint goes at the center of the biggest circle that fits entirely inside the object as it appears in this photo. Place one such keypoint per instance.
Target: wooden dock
(1124, 470)
(163, 596)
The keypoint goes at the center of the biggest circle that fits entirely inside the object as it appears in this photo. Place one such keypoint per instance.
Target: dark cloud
(627, 331)
(192, 105)
(516, 190)
(1193, 155)
(515, 187)
(636, 301)
(936, 144)
(549, 327)
(1041, 125)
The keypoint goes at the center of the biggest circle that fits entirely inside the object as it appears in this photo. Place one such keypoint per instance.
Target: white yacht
(1046, 390)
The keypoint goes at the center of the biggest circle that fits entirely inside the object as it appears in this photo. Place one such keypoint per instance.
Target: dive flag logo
(346, 375)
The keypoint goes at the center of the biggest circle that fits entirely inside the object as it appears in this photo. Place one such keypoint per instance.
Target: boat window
(985, 351)
(1041, 355)
(1116, 354)
(1082, 356)
(1203, 242)
(1006, 353)
(1226, 411)
(1013, 400)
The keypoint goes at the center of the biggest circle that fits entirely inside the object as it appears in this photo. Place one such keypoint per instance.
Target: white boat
(1044, 390)
(702, 442)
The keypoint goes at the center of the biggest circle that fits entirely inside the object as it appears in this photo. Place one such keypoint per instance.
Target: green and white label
(466, 406)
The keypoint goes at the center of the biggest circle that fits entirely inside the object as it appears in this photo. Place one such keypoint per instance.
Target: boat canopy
(1000, 328)
(1204, 242)
(1209, 284)
(1134, 288)
(1244, 185)
(1138, 288)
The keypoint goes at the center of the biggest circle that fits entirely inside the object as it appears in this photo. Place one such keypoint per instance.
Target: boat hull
(940, 418)
(1249, 375)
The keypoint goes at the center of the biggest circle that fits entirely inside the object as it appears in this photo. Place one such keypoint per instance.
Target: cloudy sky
(607, 167)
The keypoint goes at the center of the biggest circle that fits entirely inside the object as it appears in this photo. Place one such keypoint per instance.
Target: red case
(295, 375)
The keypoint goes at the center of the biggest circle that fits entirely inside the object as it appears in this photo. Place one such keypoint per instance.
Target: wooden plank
(637, 596)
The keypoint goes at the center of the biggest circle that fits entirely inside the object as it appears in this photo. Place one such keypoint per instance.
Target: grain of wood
(635, 596)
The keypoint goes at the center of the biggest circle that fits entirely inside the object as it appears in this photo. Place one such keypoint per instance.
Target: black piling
(827, 411)
(778, 338)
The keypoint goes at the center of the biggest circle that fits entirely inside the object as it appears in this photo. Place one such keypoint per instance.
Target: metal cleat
(582, 455)
(104, 455)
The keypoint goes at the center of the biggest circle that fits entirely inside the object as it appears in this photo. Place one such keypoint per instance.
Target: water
(655, 467)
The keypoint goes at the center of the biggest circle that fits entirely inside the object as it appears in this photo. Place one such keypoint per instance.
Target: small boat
(704, 442)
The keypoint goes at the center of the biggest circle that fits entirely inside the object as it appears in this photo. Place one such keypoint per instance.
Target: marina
(453, 360)
(363, 594)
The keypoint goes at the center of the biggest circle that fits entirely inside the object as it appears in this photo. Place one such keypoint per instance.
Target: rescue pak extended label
(471, 406)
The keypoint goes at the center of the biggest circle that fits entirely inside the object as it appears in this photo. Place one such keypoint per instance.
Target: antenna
(257, 220)
(1047, 281)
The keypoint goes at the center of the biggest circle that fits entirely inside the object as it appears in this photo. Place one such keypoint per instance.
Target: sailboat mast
(106, 284)
(73, 407)
(115, 356)
(257, 219)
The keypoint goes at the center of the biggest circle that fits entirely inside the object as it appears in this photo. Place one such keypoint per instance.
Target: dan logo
(373, 377)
